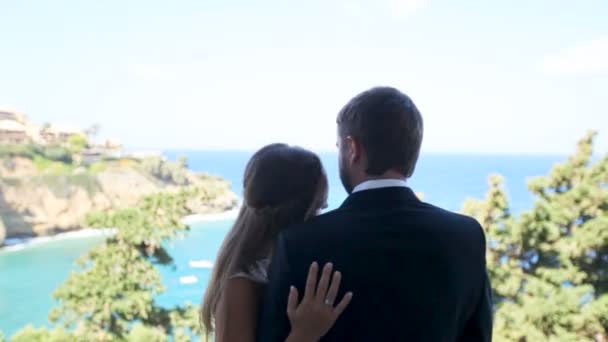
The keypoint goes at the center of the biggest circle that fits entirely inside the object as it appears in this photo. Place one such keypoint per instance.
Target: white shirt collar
(380, 183)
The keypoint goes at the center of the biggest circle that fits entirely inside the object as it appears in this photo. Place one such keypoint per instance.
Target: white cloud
(587, 57)
(353, 8)
(152, 72)
(405, 7)
(397, 8)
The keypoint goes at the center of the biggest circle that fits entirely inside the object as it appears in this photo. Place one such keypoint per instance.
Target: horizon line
(321, 150)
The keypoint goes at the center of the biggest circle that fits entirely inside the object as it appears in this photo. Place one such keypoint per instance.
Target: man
(417, 272)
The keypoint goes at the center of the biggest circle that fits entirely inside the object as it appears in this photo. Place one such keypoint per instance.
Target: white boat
(201, 263)
(188, 280)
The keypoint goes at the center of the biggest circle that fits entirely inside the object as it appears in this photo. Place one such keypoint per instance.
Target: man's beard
(345, 178)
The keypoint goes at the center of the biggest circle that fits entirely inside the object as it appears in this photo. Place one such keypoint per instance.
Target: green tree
(19, 150)
(57, 153)
(31, 334)
(112, 296)
(549, 265)
(167, 172)
(77, 143)
(141, 333)
(182, 162)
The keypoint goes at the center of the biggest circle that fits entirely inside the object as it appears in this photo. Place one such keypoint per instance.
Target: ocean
(28, 276)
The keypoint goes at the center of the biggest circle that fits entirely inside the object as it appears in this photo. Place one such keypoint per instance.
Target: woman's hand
(316, 313)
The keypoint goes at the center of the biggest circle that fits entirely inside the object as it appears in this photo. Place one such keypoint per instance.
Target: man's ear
(355, 149)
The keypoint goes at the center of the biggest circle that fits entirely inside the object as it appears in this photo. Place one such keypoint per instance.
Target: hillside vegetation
(50, 189)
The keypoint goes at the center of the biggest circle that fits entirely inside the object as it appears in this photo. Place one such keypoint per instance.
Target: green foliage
(32, 151)
(50, 166)
(77, 143)
(182, 162)
(57, 153)
(167, 172)
(98, 167)
(141, 333)
(19, 150)
(548, 266)
(112, 296)
(212, 186)
(31, 334)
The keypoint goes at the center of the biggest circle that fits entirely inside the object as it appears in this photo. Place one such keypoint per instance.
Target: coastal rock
(37, 204)
(17, 167)
(125, 186)
(35, 210)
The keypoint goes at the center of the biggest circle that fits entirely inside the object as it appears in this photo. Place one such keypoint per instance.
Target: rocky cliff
(41, 200)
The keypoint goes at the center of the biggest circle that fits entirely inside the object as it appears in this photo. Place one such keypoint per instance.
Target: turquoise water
(29, 276)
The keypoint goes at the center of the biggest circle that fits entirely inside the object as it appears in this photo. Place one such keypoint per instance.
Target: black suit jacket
(417, 272)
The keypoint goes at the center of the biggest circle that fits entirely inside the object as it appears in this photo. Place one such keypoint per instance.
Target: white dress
(258, 272)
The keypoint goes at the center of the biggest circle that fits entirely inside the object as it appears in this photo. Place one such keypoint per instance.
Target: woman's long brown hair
(282, 185)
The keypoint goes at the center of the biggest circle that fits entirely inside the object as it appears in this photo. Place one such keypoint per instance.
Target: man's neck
(390, 174)
(375, 182)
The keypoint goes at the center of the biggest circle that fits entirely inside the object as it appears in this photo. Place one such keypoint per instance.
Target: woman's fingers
(311, 281)
(324, 282)
(333, 288)
(292, 301)
(343, 303)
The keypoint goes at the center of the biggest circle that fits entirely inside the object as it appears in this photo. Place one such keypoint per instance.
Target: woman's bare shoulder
(239, 287)
(237, 310)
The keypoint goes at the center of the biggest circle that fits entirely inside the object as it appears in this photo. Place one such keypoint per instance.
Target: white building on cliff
(15, 128)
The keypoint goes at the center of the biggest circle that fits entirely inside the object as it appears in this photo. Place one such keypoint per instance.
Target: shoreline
(19, 243)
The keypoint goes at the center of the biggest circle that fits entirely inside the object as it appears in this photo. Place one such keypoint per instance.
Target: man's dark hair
(389, 127)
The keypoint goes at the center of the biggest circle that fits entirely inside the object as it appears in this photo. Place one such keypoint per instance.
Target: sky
(488, 76)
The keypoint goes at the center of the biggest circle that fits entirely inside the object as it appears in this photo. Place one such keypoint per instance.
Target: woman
(283, 185)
